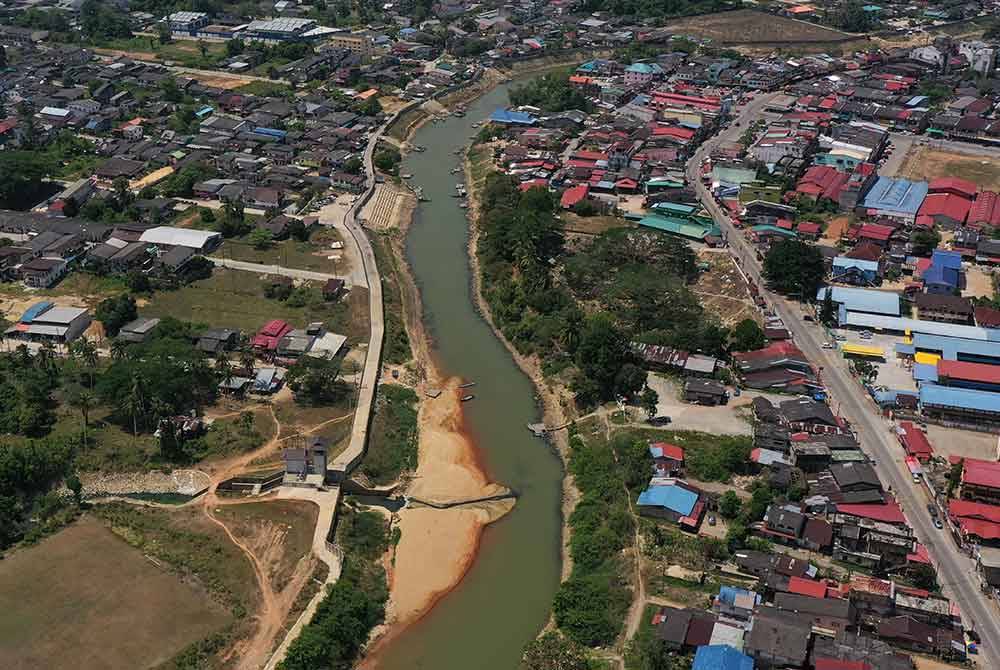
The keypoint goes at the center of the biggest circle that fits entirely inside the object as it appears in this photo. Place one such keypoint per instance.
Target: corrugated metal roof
(959, 398)
(862, 300)
(973, 372)
(672, 497)
(951, 347)
(920, 327)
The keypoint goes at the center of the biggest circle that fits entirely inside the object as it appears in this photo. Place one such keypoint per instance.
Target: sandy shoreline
(437, 547)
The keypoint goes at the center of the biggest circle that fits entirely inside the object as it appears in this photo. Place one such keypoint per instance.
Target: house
(44, 321)
(674, 500)
(721, 657)
(778, 639)
(43, 272)
(828, 614)
(897, 199)
(856, 271)
(907, 632)
(267, 338)
(705, 392)
(308, 460)
(736, 603)
(353, 183)
(914, 441)
(137, 331)
(215, 340)
(944, 274)
(683, 629)
(668, 459)
(943, 307)
(851, 477)
(333, 289)
(980, 481)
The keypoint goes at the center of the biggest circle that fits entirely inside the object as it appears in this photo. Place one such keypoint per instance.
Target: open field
(125, 613)
(235, 299)
(927, 163)
(722, 290)
(592, 225)
(748, 27)
(312, 255)
(279, 531)
(183, 52)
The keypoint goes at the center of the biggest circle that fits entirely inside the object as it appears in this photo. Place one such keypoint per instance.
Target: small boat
(476, 124)
(463, 205)
(458, 113)
(459, 186)
(456, 170)
(457, 152)
(467, 398)
(419, 192)
(466, 385)
(419, 149)
(406, 176)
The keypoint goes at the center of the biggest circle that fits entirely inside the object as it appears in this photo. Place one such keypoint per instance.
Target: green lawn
(235, 299)
(185, 52)
(311, 255)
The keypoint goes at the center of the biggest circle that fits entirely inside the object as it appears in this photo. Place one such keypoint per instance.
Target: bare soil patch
(749, 27)
(926, 163)
(85, 598)
(722, 290)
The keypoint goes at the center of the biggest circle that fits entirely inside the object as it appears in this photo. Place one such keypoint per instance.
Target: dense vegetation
(794, 268)
(393, 447)
(633, 285)
(655, 8)
(590, 606)
(550, 93)
(354, 605)
(28, 471)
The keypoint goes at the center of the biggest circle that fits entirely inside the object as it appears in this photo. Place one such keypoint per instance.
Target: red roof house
(980, 479)
(987, 317)
(806, 587)
(574, 195)
(876, 233)
(974, 519)
(887, 513)
(946, 208)
(915, 441)
(960, 187)
(270, 334)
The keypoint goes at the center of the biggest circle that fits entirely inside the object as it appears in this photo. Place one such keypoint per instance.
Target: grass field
(85, 599)
(235, 299)
(927, 163)
(722, 290)
(311, 255)
(184, 52)
(750, 27)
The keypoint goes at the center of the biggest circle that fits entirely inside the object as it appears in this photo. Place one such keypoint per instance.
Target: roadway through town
(956, 572)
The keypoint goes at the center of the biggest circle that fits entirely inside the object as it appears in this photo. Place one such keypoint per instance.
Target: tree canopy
(794, 268)
(550, 93)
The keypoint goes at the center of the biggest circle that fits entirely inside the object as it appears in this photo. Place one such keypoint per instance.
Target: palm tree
(84, 401)
(118, 349)
(133, 403)
(247, 360)
(223, 367)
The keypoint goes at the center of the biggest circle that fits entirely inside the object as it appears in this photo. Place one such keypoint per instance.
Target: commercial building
(980, 481)
(202, 241)
(897, 199)
(943, 307)
(859, 301)
(360, 43)
(960, 407)
(46, 322)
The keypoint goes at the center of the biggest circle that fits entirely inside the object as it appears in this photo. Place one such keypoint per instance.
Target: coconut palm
(84, 400)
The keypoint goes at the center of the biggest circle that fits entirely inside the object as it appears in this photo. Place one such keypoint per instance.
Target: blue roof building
(944, 274)
(720, 657)
(960, 405)
(511, 118)
(675, 498)
(957, 348)
(855, 271)
(853, 300)
(896, 198)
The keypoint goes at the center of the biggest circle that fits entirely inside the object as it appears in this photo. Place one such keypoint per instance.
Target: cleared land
(928, 163)
(235, 299)
(125, 613)
(722, 290)
(748, 27)
(312, 255)
(592, 225)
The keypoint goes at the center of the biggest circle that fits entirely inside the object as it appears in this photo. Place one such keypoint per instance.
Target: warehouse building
(850, 301)
(960, 407)
(897, 199)
(47, 322)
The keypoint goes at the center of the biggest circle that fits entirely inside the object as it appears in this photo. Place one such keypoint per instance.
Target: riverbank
(555, 399)
(436, 546)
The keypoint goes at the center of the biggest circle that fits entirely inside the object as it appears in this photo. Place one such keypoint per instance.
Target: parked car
(938, 524)
(659, 421)
(827, 345)
(932, 510)
(711, 519)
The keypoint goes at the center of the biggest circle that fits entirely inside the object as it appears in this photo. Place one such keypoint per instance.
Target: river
(505, 598)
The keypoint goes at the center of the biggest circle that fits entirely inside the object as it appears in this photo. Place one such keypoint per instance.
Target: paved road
(956, 572)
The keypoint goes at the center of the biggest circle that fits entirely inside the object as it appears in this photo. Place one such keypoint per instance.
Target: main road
(956, 572)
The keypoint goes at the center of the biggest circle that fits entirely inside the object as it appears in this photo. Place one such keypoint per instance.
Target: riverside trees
(580, 311)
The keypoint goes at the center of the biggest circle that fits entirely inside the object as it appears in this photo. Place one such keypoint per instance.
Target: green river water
(505, 598)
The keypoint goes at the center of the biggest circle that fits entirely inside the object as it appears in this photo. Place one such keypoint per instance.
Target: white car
(827, 345)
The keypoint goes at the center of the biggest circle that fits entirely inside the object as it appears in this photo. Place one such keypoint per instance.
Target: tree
(171, 91)
(115, 312)
(828, 311)
(794, 268)
(314, 380)
(233, 223)
(387, 160)
(730, 505)
(550, 93)
(552, 651)
(353, 165)
(84, 400)
(955, 475)
(865, 370)
(601, 353)
(202, 48)
(260, 238)
(100, 21)
(853, 18)
(924, 577)
(163, 33)
(74, 484)
(747, 336)
(649, 400)
(248, 361)
(925, 241)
